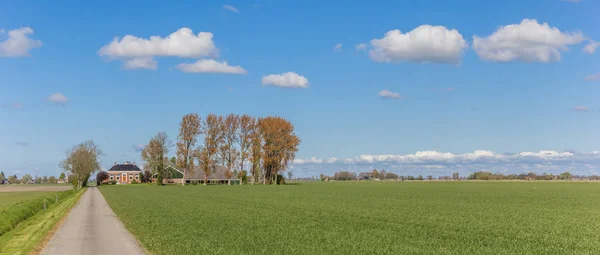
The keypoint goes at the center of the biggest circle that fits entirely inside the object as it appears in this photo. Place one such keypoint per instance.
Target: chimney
(115, 163)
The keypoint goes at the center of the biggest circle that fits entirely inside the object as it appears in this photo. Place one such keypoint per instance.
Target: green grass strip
(29, 234)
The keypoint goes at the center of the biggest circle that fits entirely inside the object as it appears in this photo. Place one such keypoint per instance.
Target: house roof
(126, 166)
(216, 173)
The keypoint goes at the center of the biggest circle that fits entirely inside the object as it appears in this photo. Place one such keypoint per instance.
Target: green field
(9, 198)
(364, 218)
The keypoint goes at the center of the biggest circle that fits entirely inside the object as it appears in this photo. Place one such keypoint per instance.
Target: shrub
(112, 182)
(14, 214)
(134, 182)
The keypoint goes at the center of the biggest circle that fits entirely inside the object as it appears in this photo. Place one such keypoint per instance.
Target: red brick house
(124, 173)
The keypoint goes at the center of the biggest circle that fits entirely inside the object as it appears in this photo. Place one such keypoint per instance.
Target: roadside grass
(11, 216)
(29, 235)
(9, 198)
(363, 218)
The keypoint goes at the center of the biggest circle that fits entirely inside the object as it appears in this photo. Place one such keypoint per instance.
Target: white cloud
(580, 108)
(425, 43)
(338, 47)
(140, 63)
(210, 66)
(361, 46)
(58, 99)
(590, 48)
(386, 94)
(593, 77)
(18, 43)
(182, 43)
(528, 41)
(444, 163)
(138, 147)
(230, 8)
(286, 80)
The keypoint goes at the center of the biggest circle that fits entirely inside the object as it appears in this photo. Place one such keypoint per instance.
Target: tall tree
(45, 179)
(228, 150)
(280, 145)
(247, 126)
(51, 179)
(255, 151)
(290, 175)
(455, 176)
(155, 155)
(38, 180)
(82, 160)
(62, 176)
(189, 129)
(2, 177)
(207, 155)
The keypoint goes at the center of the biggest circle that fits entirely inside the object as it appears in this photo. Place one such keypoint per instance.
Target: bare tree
(213, 138)
(155, 155)
(82, 160)
(256, 151)
(188, 132)
(229, 128)
(280, 144)
(247, 126)
(45, 179)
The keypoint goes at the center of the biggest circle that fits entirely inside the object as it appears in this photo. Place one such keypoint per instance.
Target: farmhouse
(218, 174)
(124, 173)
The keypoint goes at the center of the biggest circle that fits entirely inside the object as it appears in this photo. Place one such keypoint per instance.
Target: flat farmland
(364, 218)
(12, 194)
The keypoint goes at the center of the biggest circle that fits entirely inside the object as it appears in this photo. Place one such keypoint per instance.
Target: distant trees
(189, 130)
(52, 179)
(45, 179)
(155, 155)
(344, 176)
(213, 138)
(26, 179)
(13, 179)
(38, 179)
(62, 176)
(455, 176)
(82, 160)
(2, 177)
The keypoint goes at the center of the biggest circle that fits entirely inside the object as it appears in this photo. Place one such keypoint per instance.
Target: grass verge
(28, 236)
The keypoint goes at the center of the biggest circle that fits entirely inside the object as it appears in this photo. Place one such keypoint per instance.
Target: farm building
(124, 173)
(218, 174)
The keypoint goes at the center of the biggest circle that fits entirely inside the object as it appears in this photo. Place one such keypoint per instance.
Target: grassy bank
(30, 235)
(11, 216)
(10, 198)
(364, 218)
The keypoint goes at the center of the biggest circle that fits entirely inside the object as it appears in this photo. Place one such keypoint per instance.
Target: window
(137, 177)
(112, 177)
(130, 177)
(117, 177)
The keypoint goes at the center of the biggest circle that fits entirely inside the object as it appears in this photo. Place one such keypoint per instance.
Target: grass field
(9, 198)
(364, 218)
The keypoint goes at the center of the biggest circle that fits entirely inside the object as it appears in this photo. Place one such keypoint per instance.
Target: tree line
(263, 147)
(480, 175)
(28, 179)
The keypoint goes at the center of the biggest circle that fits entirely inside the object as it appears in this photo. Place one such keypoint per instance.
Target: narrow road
(92, 228)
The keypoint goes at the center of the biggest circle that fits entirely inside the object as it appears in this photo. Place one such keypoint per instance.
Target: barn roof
(126, 166)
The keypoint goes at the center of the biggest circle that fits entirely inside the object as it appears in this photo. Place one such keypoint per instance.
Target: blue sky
(527, 93)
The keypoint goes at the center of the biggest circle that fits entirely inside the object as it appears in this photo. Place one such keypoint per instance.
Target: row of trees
(481, 175)
(264, 146)
(28, 179)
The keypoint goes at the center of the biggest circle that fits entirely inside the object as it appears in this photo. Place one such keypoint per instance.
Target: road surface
(92, 228)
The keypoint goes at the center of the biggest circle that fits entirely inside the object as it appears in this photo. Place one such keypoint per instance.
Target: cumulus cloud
(18, 43)
(230, 8)
(138, 147)
(593, 77)
(140, 63)
(286, 80)
(580, 108)
(386, 94)
(182, 43)
(58, 99)
(361, 46)
(528, 41)
(590, 48)
(338, 47)
(210, 66)
(425, 43)
(22, 144)
(432, 162)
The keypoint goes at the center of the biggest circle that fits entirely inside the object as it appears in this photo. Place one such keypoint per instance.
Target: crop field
(364, 218)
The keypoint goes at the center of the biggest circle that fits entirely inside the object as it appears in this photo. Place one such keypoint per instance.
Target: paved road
(92, 228)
